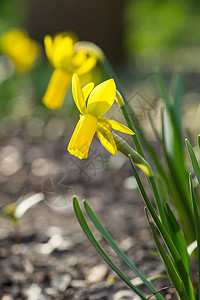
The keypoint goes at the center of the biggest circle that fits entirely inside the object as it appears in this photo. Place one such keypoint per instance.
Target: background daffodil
(92, 104)
(22, 50)
(61, 52)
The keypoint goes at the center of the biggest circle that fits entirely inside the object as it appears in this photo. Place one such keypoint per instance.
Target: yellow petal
(79, 58)
(78, 94)
(115, 125)
(56, 89)
(101, 98)
(82, 136)
(87, 65)
(87, 90)
(106, 138)
(48, 45)
(63, 52)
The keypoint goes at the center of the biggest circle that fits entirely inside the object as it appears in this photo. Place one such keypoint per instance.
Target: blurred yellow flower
(22, 50)
(62, 54)
(92, 104)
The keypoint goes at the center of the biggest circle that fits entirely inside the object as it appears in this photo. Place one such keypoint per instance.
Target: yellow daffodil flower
(92, 104)
(61, 52)
(22, 50)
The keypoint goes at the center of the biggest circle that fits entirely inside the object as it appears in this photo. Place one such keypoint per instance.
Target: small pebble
(61, 282)
(75, 283)
(125, 295)
(97, 273)
(7, 297)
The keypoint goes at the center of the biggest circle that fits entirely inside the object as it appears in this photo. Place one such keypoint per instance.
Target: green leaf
(197, 222)
(121, 254)
(155, 131)
(198, 139)
(177, 85)
(162, 88)
(178, 238)
(174, 155)
(170, 267)
(193, 159)
(99, 249)
(162, 188)
(137, 281)
(192, 247)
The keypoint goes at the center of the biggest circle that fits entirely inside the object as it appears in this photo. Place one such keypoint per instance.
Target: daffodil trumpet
(67, 60)
(92, 104)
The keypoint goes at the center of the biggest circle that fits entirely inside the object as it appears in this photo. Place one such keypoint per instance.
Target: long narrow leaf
(197, 223)
(198, 140)
(170, 267)
(193, 159)
(99, 249)
(174, 156)
(121, 254)
(155, 131)
(178, 97)
(178, 238)
(162, 88)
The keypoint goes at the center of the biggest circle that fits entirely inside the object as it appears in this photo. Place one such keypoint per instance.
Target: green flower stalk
(138, 160)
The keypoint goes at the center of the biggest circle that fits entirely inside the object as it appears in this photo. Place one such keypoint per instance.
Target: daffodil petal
(78, 94)
(87, 65)
(101, 98)
(106, 138)
(56, 89)
(63, 53)
(82, 136)
(79, 58)
(116, 125)
(87, 90)
(48, 45)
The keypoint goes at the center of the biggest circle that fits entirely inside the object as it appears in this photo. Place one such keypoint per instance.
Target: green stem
(127, 150)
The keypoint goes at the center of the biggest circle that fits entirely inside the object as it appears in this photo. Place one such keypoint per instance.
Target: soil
(48, 256)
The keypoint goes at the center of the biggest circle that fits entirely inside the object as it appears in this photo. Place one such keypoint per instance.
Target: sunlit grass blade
(191, 247)
(155, 131)
(168, 181)
(193, 159)
(162, 87)
(170, 267)
(99, 249)
(178, 238)
(166, 238)
(121, 254)
(173, 151)
(198, 139)
(177, 92)
(197, 222)
(162, 188)
(27, 203)
(137, 281)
